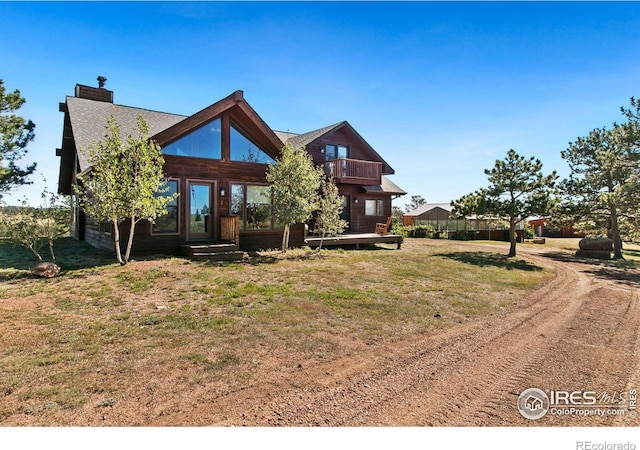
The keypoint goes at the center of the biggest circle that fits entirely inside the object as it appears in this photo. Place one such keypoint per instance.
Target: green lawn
(213, 323)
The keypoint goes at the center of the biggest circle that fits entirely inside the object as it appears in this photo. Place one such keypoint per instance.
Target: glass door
(200, 212)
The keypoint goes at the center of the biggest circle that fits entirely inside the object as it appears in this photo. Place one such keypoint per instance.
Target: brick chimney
(99, 94)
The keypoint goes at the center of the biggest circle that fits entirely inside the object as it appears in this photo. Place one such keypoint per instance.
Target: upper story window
(204, 142)
(242, 149)
(336, 151)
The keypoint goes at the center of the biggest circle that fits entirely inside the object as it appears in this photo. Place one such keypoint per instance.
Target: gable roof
(304, 139)
(89, 121)
(428, 207)
(240, 113)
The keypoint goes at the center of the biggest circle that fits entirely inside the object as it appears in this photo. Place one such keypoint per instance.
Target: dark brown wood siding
(361, 223)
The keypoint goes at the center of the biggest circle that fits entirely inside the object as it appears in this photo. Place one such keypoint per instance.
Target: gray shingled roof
(285, 135)
(89, 121)
(301, 140)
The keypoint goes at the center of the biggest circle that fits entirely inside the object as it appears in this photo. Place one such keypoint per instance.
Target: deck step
(218, 256)
(209, 251)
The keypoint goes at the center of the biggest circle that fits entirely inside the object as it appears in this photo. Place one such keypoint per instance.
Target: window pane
(380, 208)
(258, 207)
(342, 151)
(330, 151)
(237, 203)
(205, 142)
(168, 223)
(370, 207)
(242, 149)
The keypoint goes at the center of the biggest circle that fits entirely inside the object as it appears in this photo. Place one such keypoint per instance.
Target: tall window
(168, 223)
(204, 142)
(242, 149)
(374, 208)
(253, 205)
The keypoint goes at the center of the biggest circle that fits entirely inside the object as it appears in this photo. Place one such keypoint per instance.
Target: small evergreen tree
(518, 190)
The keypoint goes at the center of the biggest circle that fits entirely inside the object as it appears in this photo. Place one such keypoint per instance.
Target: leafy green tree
(601, 191)
(295, 181)
(15, 134)
(518, 190)
(330, 206)
(398, 216)
(415, 202)
(124, 183)
(35, 228)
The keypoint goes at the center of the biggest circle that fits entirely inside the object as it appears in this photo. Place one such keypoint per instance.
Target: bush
(464, 235)
(398, 228)
(528, 233)
(420, 231)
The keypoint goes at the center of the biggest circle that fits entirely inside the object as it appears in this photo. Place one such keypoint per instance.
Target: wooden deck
(354, 239)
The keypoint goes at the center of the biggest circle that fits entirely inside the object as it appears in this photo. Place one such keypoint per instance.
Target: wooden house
(216, 160)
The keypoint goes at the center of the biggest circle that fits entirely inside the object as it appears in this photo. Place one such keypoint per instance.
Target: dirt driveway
(578, 333)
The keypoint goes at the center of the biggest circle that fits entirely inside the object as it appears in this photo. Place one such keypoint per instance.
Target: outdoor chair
(383, 228)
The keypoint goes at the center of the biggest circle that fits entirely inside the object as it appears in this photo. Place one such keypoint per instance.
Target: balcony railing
(354, 171)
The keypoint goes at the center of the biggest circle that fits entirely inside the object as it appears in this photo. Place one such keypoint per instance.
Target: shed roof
(386, 186)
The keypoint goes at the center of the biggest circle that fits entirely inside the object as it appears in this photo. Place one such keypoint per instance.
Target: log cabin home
(216, 160)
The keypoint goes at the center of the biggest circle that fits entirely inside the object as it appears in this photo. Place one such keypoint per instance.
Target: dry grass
(101, 333)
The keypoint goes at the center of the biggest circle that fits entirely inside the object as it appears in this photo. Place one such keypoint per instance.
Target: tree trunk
(321, 241)
(51, 252)
(615, 233)
(130, 241)
(512, 238)
(35, 253)
(285, 238)
(116, 242)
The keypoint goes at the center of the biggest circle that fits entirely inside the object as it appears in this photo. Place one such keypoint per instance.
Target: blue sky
(440, 89)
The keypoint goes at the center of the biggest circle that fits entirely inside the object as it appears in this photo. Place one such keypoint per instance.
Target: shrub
(421, 231)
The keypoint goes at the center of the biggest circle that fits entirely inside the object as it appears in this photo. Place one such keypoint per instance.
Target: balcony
(354, 171)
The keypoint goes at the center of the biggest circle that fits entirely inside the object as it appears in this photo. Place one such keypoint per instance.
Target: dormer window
(336, 151)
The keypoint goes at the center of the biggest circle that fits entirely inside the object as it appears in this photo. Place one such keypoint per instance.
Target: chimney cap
(101, 81)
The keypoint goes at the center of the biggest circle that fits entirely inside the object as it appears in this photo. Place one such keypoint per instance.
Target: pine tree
(15, 133)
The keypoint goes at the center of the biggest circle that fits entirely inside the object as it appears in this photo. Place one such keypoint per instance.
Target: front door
(200, 211)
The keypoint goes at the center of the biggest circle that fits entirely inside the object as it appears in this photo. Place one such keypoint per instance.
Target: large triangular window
(242, 149)
(204, 142)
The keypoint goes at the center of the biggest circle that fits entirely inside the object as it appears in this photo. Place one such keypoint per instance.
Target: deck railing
(346, 170)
